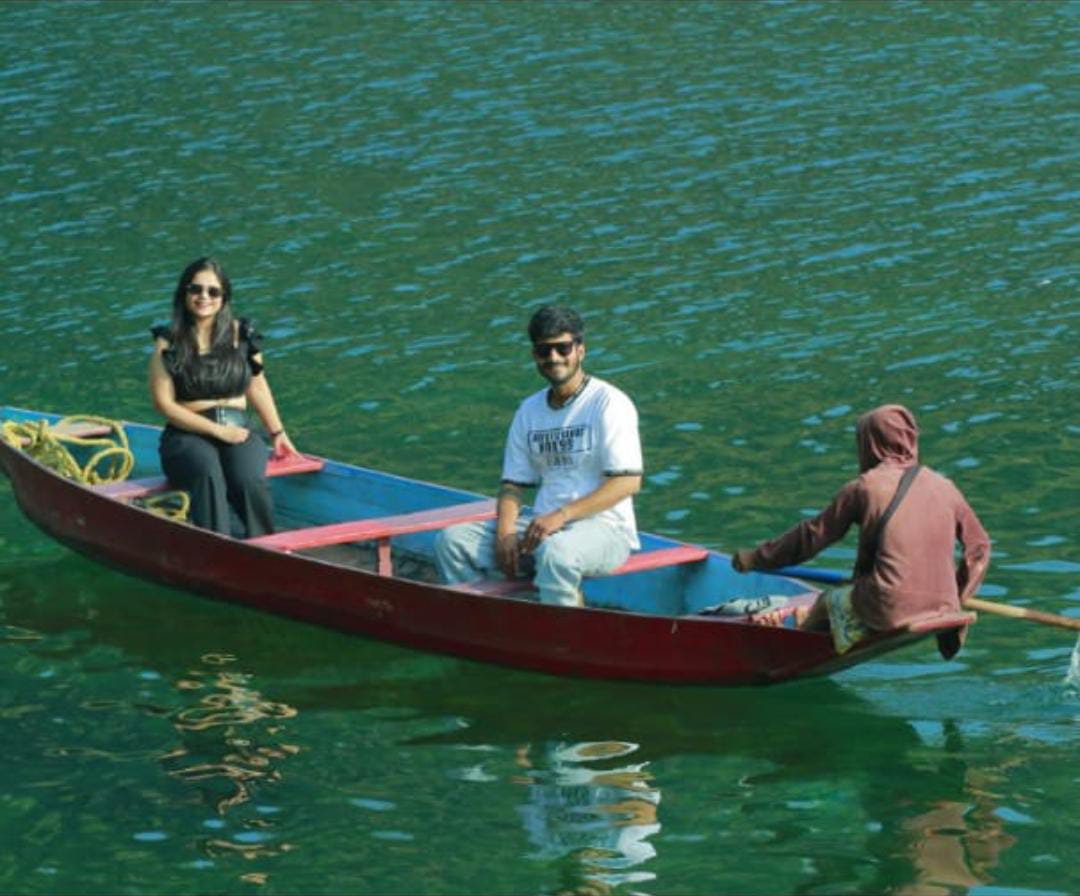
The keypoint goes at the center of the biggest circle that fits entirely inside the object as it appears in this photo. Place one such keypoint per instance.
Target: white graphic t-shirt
(569, 451)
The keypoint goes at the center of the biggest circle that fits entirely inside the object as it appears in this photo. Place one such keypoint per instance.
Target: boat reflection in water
(937, 806)
(594, 817)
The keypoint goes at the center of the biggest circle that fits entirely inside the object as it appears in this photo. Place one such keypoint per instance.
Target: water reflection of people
(953, 837)
(220, 752)
(953, 846)
(597, 821)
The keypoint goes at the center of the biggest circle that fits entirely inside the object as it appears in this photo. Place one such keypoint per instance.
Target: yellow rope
(49, 445)
(112, 462)
(174, 505)
(34, 440)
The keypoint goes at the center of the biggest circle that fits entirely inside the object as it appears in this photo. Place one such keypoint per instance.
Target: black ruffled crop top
(223, 372)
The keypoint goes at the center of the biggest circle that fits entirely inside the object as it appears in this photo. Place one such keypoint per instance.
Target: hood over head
(890, 433)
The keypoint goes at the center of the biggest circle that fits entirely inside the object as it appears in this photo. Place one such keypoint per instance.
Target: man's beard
(547, 371)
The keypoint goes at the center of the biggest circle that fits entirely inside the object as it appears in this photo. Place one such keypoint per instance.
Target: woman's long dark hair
(185, 342)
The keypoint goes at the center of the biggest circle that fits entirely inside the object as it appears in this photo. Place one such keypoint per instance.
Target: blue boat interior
(342, 492)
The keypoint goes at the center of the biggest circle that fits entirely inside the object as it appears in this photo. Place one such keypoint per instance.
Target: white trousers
(588, 547)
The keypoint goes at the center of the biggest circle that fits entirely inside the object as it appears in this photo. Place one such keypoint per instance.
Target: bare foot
(779, 617)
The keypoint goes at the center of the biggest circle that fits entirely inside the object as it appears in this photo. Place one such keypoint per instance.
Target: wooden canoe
(354, 550)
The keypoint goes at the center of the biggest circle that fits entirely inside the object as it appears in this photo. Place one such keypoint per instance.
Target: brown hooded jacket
(914, 573)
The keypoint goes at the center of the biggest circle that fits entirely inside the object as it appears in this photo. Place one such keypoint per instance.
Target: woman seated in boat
(905, 570)
(206, 369)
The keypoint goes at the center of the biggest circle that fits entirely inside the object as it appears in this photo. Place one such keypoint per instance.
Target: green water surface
(774, 216)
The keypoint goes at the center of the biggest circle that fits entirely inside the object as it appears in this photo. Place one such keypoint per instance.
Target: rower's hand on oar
(507, 553)
(541, 527)
(233, 435)
(742, 560)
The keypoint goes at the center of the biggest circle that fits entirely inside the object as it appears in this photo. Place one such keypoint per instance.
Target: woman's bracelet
(276, 433)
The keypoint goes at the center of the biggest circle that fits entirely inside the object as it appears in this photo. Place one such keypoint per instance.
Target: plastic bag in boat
(745, 606)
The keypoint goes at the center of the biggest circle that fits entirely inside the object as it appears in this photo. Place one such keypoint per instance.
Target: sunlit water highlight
(1072, 679)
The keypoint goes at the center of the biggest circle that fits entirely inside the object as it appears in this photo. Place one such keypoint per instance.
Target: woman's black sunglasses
(196, 289)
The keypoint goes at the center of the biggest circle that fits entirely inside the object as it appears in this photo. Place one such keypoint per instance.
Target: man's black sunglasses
(544, 349)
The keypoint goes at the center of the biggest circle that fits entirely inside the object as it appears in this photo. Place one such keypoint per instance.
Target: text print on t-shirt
(558, 447)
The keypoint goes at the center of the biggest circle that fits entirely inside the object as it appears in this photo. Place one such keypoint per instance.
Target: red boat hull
(580, 642)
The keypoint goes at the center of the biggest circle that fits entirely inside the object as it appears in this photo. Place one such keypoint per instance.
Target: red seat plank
(289, 464)
(496, 587)
(683, 553)
(133, 488)
(640, 562)
(380, 529)
(140, 488)
(77, 431)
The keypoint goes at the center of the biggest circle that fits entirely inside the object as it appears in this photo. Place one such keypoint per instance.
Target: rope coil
(51, 446)
(174, 505)
(110, 456)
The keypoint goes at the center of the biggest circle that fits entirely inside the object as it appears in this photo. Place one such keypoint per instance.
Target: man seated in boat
(905, 570)
(577, 443)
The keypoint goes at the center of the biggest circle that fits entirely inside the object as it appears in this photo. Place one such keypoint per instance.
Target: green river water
(773, 216)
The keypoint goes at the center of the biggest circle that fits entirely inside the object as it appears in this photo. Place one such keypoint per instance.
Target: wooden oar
(832, 577)
(829, 576)
(988, 606)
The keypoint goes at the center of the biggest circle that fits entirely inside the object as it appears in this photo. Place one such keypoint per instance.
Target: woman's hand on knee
(233, 435)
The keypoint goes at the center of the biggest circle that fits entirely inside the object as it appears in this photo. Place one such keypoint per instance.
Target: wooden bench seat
(673, 556)
(141, 488)
(639, 562)
(377, 529)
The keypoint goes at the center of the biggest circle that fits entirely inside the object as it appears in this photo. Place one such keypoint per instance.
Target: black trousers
(227, 483)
